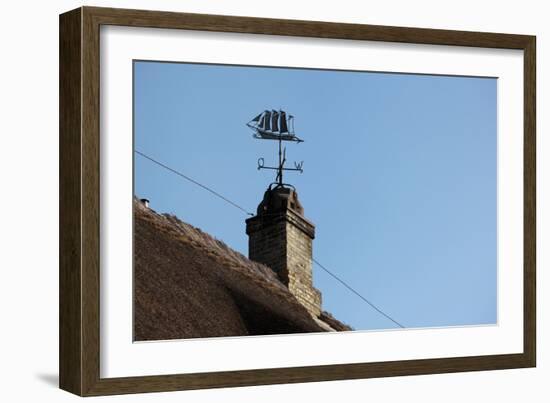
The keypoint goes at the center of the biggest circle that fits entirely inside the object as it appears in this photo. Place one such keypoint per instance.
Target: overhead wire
(380, 311)
(215, 193)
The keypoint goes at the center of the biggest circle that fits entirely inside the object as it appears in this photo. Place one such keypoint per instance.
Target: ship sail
(275, 121)
(261, 123)
(267, 117)
(284, 127)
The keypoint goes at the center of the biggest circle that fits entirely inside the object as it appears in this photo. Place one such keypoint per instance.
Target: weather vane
(276, 125)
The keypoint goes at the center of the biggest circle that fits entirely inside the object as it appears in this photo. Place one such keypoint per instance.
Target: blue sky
(399, 177)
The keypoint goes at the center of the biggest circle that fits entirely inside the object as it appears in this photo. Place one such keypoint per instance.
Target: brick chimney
(281, 237)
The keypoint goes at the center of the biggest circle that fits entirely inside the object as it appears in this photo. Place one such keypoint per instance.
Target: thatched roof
(187, 284)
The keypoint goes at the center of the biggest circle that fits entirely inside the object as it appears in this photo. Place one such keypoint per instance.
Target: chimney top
(145, 202)
(278, 200)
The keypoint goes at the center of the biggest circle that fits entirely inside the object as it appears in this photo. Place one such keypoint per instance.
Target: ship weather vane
(279, 126)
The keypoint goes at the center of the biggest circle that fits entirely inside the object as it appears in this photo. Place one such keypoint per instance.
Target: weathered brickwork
(281, 238)
(300, 280)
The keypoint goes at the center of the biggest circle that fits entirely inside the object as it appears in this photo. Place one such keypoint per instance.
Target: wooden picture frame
(79, 201)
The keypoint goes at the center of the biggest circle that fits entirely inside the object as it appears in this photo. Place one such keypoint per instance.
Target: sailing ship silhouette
(274, 125)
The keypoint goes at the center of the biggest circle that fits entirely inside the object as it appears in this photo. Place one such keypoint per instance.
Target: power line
(357, 293)
(251, 214)
(194, 182)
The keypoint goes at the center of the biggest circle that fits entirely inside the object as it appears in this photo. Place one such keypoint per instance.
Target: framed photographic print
(249, 201)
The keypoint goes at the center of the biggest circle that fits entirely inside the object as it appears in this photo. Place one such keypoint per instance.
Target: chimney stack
(281, 238)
